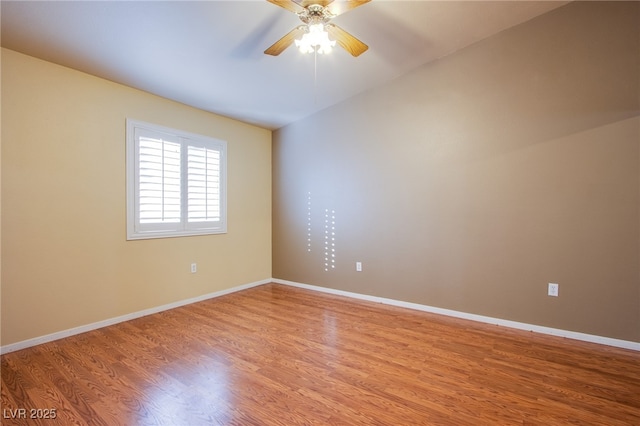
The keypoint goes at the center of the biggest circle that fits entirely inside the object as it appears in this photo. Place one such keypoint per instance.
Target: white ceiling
(209, 54)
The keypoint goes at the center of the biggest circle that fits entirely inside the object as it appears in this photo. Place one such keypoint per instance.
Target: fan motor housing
(315, 14)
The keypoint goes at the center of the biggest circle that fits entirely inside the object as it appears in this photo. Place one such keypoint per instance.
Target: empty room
(317, 212)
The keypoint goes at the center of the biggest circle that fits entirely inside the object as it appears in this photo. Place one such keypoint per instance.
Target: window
(176, 183)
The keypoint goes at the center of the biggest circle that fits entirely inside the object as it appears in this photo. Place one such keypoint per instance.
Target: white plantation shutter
(203, 185)
(175, 183)
(159, 181)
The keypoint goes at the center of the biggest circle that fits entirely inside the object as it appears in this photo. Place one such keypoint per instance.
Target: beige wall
(65, 258)
(472, 182)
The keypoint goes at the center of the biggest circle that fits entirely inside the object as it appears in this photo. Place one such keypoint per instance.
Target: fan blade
(306, 3)
(340, 7)
(346, 40)
(279, 46)
(290, 5)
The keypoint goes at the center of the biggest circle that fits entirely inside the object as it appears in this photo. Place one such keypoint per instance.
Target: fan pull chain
(315, 77)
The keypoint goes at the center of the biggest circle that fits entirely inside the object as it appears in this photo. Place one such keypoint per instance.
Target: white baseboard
(93, 326)
(480, 318)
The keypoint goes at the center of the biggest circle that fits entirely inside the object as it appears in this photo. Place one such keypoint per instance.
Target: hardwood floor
(277, 355)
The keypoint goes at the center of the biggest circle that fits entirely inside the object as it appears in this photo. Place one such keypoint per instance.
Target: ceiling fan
(313, 35)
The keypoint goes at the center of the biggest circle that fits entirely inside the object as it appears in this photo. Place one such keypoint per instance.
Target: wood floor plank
(278, 355)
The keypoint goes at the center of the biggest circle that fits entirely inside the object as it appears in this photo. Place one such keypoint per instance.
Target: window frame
(135, 130)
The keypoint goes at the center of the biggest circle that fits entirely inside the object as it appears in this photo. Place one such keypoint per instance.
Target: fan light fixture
(315, 40)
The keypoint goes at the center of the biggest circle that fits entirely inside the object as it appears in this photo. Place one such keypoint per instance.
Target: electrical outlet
(553, 289)
(194, 268)
(359, 266)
